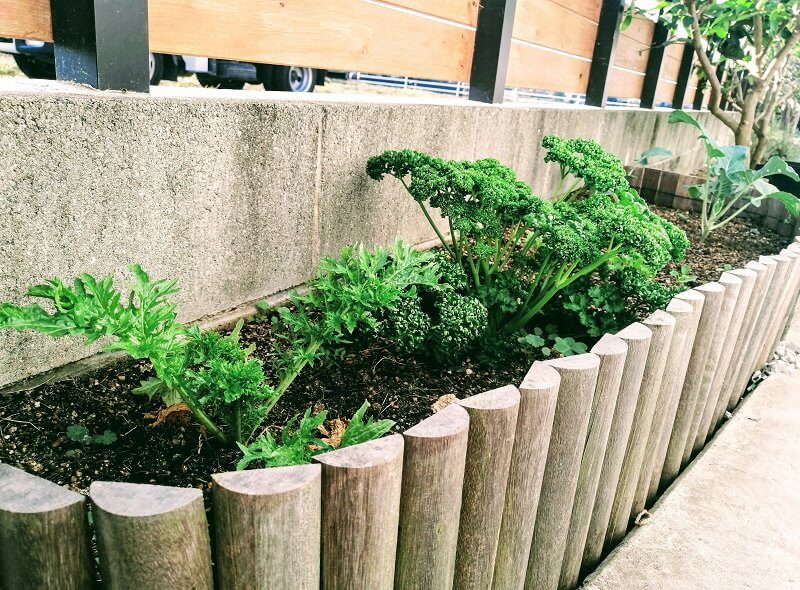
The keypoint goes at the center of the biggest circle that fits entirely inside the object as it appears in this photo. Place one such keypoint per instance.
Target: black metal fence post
(683, 77)
(487, 81)
(653, 70)
(102, 43)
(697, 104)
(604, 45)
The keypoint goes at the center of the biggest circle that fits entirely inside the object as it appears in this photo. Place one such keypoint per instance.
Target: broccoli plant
(730, 185)
(518, 250)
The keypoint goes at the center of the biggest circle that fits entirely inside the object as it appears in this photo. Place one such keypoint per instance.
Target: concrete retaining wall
(238, 194)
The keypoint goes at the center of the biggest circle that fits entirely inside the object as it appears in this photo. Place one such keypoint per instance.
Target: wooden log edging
(151, 536)
(44, 540)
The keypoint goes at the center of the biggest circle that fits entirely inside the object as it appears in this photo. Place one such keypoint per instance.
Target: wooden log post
(791, 296)
(786, 299)
(637, 338)
(729, 385)
(151, 536)
(737, 322)
(492, 425)
(667, 403)
(770, 311)
(713, 293)
(360, 514)
(570, 425)
(44, 540)
(707, 397)
(430, 502)
(538, 395)
(662, 325)
(267, 528)
(697, 301)
(612, 351)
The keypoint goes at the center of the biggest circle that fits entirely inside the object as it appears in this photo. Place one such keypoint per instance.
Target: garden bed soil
(34, 423)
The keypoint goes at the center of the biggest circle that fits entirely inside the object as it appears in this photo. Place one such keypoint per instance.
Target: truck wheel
(291, 79)
(156, 63)
(208, 81)
(34, 68)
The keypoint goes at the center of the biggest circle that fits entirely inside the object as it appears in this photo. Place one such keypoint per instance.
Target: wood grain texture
(737, 367)
(561, 472)
(532, 67)
(662, 325)
(360, 514)
(44, 541)
(543, 22)
(26, 19)
(538, 395)
(624, 84)
(697, 301)
(787, 297)
(707, 398)
(492, 425)
(713, 293)
(460, 11)
(588, 9)
(430, 502)
(637, 338)
(612, 351)
(267, 528)
(667, 402)
(149, 536)
(631, 54)
(768, 312)
(792, 295)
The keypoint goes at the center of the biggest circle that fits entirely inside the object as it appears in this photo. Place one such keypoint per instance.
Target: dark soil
(34, 423)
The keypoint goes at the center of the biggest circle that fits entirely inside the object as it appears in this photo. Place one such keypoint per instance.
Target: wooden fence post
(662, 325)
(570, 424)
(696, 300)
(44, 541)
(603, 56)
(430, 502)
(713, 293)
(487, 81)
(538, 395)
(360, 514)
(718, 395)
(785, 299)
(612, 351)
(267, 528)
(707, 398)
(655, 57)
(153, 537)
(637, 338)
(667, 403)
(492, 424)
(770, 311)
(683, 76)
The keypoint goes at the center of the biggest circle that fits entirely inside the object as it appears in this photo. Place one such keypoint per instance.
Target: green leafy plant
(546, 341)
(654, 152)
(683, 275)
(730, 186)
(517, 250)
(80, 434)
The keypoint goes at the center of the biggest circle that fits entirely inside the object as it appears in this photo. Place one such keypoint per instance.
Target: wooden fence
(518, 487)
(553, 45)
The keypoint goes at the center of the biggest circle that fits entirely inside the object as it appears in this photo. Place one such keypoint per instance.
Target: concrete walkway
(732, 520)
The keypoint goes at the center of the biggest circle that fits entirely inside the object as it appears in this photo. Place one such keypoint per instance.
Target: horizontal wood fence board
(360, 514)
(568, 438)
(706, 399)
(640, 30)
(492, 425)
(713, 293)
(26, 19)
(729, 385)
(748, 279)
(150, 536)
(612, 351)
(670, 69)
(267, 528)
(697, 301)
(534, 67)
(661, 325)
(665, 91)
(667, 403)
(544, 22)
(430, 502)
(624, 84)
(631, 54)
(637, 337)
(44, 540)
(589, 9)
(538, 395)
(461, 11)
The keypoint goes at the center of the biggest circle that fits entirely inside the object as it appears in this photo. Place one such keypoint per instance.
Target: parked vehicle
(36, 60)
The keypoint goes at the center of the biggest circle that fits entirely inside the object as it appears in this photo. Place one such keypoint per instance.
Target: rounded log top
(756, 266)
(635, 331)
(793, 247)
(540, 376)
(494, 399)
(789, 252)
(659, 318)
(23, 493)
(578, 362)
(691, 295)
(768, 260)
(610, 345)
(450, 421)
(728, 278)
(712, 287)
(368, 454)
(746, 272)
(140, 499)
(267, 482)
(680, 307)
